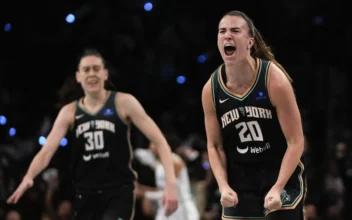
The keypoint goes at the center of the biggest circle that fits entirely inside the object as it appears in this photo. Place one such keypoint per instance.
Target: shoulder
(67, 113)
(124, 97)
(125, 100)
(208, 86)
(278, 82)
(69, 108)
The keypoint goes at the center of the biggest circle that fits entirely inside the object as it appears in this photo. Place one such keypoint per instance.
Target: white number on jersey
(95, 140)
(255, 133)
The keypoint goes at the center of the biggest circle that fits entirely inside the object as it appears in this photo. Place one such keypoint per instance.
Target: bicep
(141, 119)
(58, 131)
(283, 98)
(212, 126)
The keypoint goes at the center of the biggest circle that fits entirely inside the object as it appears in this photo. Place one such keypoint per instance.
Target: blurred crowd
(51, 197)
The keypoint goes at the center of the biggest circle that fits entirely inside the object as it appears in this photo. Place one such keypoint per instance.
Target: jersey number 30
(95, 140)
(254, 134)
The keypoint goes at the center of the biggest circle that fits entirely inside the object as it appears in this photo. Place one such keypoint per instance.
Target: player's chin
(228, 60)
(92, 88)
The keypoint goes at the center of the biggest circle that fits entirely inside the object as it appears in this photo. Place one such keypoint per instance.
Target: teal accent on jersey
(249, 92)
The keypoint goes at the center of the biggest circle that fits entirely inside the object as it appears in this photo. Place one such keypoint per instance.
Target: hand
(228, 197)
(25, 184)
(273, 199)
(170, 199)
(138, 191)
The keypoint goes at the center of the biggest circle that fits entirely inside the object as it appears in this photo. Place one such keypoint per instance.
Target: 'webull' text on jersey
(249, 125)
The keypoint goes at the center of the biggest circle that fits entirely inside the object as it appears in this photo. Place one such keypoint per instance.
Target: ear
(250, 43)
(106, 74)
(78, 78)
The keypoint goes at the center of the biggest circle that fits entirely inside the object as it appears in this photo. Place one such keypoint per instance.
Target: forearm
(154, 195)
(166, 159)
(218, 165)
(289, 164)
(39, 163)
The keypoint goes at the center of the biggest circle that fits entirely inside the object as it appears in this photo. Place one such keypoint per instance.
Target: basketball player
(187, 209)
(102, 153)
(253, 126)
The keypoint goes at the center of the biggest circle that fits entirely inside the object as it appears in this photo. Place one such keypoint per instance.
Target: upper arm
(62, 123)
(283, 99)
(212, 126)
(135, 112)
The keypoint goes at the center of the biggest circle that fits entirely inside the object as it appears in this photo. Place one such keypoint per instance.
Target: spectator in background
(13, 215)
(193, 152)
(187, 209)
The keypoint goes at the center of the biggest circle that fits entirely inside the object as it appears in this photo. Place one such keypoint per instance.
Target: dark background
(147, 51)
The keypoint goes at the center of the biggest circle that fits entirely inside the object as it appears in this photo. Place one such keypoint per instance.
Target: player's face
(92, 74)
(234, 41)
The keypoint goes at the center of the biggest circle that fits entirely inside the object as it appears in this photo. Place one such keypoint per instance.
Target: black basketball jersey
(102, 152)
(249, 125)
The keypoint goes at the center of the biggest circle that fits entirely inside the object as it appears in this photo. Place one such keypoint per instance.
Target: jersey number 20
(254, 134)
(95, 140)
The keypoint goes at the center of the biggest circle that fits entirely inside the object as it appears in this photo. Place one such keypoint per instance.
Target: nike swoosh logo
(79, 116)
(222, 101)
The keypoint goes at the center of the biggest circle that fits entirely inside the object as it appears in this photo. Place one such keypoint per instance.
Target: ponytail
(262, 51)
(70, 91)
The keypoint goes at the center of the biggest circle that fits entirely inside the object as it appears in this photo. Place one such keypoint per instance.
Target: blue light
(206, 165)
(7, 27)
(181, 79)
(42, 140)
(148, 6)
(318, 20)
(70, 18)
(12, 132)
(202, 58)
(3, 120)
(63, 142)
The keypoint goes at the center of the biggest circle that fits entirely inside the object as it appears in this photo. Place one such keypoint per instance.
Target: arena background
(163, 51)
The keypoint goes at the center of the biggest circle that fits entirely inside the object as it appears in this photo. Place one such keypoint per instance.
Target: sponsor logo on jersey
(253, 149)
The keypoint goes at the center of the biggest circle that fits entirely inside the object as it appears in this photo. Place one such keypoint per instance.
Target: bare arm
(42, 159)
(216, 153)
(135, 112)
(283, 98)
(60, 127)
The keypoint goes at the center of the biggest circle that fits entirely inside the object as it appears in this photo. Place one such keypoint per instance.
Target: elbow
(297, 144)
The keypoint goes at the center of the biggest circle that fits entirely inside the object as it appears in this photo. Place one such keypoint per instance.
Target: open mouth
(92, 81)
(229, 50)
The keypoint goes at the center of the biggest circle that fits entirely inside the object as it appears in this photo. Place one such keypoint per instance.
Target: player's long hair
(71, 90)
(259, 49)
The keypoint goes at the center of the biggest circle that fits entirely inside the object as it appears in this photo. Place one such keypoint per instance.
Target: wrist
(28, 177)
(223, 185)
(171, 182)
(279, 186)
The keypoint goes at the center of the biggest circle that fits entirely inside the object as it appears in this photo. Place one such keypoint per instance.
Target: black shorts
(111, 204)
(252, 183)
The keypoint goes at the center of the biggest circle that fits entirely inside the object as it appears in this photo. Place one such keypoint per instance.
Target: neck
(95, 99)
(241, 72)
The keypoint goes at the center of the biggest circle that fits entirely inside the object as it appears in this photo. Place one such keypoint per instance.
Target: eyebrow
(89, 66)
(232, 28)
